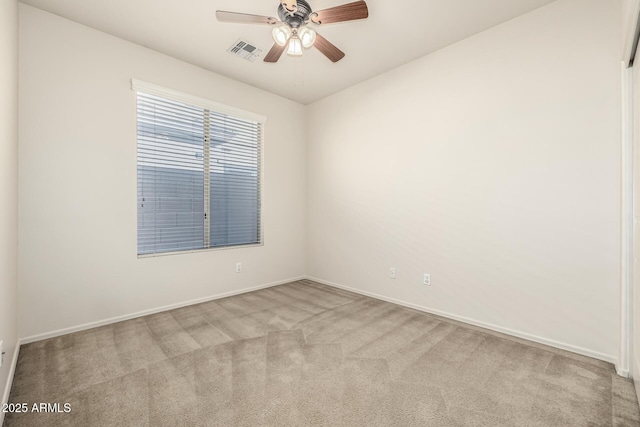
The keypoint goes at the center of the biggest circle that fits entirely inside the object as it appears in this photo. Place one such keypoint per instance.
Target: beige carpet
(307, 354)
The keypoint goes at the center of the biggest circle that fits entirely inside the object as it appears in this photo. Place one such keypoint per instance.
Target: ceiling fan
(291, 32)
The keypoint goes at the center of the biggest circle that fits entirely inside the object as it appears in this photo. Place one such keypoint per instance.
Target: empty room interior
(319, 212)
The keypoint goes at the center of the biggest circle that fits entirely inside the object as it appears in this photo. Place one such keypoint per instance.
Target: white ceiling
(394, 34)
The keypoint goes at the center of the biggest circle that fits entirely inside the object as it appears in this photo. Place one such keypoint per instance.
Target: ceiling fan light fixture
(307, 37)
(281, 34)
(295, 47)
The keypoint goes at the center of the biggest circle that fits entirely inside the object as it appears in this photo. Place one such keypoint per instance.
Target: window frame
(152, 89)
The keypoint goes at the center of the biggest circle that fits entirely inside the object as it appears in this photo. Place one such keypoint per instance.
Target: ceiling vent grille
(244, 49)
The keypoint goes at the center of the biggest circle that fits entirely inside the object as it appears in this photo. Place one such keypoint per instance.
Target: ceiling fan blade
(346, 12)
(290, 5)
(275, 53)
(328, 49)
(244, 18)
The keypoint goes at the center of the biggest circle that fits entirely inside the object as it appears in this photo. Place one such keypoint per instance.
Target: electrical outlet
(1, 354)
(238, 267)
(392, 272)
(427, 279)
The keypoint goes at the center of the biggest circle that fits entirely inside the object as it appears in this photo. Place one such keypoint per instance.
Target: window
(198, 174)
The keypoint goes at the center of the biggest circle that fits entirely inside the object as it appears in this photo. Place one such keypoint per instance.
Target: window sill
(191, 251)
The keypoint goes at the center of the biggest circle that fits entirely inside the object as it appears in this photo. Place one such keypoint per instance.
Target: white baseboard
(623, 372)
(65, 331)
(634, 374)
(12, 372)
(552, 343)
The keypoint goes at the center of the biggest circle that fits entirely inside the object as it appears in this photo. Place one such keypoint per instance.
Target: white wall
(629, 9)
(494, 165)
(635, 330)
(629, 18)
(8, 186)
(77, 192)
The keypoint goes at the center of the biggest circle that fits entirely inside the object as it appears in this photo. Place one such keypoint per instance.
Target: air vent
(244, 49)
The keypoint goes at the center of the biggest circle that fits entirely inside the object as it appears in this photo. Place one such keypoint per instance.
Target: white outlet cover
(427, 279)
(392, 272)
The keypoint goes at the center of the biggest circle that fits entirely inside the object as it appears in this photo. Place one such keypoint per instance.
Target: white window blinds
(198, 177)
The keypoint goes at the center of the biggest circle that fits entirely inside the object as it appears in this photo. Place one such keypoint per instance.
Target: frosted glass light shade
(281, 34)
(295, 46)
(307, 37)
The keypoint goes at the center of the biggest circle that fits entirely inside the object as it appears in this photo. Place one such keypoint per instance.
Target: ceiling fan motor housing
(298, 18)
